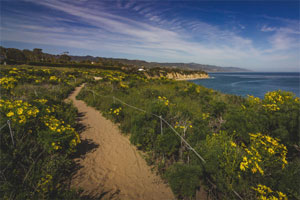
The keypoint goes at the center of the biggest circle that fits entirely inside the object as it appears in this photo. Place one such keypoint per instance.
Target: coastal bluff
(182, 75)
(191, 76)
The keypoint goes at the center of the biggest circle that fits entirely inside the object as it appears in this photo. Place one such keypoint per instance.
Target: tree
(2, 54)
(64, 58)
(15, 55)
(28, 54)
(38, 54)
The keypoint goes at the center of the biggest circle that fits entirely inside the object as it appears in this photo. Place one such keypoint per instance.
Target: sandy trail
(115, 167)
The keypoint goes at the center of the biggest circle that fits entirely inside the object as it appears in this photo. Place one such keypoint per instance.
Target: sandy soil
(115, 168)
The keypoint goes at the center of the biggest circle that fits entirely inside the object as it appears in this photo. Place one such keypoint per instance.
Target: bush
(39, 163)
(215, 124)
(184, 179)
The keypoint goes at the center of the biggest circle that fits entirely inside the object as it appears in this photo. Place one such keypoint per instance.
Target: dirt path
(115, 167)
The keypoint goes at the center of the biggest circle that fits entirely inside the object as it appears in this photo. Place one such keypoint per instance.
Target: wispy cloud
(267, 29)
(282, 41)
(285, 36)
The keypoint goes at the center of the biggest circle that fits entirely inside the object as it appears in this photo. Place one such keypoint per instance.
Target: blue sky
(257, 35)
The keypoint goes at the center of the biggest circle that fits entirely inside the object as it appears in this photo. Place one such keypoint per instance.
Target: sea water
(252, 83)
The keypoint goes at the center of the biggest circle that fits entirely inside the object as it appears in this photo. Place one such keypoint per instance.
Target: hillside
(198, 140)
(38, 57)
(142, 63)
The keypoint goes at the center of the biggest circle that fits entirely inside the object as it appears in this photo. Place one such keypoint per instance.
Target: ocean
(252, 83)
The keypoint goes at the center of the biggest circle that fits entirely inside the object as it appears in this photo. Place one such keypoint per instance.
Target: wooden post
(35, 93)
(11, 133)
(161, 132)
(161, 128)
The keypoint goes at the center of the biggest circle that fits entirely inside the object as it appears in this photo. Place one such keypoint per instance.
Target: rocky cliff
(177, 75)
(182, 76)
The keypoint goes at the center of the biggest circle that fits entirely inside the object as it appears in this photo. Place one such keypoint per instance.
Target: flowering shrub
(205, 115)
(71, 76)
(114, 77)
(35, 149)
(266, 193)
(253, 100)
(184, 125)
(12, 77)
(59, 127)
(122, 85)
(42, 101)
(195, 90)
(263, 152)
(44, 184)
(18, 111)
(116, 111)
(223, 156)
(235, 159)
(8, 82)
(164, 100)
(274, 100)
(53, 78)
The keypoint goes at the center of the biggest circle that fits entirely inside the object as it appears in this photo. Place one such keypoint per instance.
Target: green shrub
(184, 179)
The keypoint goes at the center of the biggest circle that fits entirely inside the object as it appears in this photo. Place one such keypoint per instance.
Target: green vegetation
(250, 145)
(36, 57)
(35, 161)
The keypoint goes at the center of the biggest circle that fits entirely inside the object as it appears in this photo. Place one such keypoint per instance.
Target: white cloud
(267, 29)
(285, 37)
(281, 41)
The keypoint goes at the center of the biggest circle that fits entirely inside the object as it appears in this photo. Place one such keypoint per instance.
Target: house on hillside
(141, 69)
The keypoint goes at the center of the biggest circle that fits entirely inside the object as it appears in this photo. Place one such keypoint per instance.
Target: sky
(256, 35)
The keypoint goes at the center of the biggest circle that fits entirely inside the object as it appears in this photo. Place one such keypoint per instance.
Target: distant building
(141, 69)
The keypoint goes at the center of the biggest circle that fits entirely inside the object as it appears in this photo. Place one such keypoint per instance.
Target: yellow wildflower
(10, 114)
(233, 144)
(20, 111)
(254, 170)
(271, 151)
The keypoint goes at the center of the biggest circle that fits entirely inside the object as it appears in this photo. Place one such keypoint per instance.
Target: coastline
(184, 77)
(252, 83)
(190, 79)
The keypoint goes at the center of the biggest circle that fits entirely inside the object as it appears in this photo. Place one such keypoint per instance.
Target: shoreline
(190, 79)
